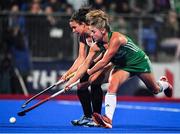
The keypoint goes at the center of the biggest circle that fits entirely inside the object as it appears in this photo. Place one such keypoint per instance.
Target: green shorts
(143, 66)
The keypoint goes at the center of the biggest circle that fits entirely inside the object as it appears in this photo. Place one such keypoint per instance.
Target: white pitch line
(135, 107)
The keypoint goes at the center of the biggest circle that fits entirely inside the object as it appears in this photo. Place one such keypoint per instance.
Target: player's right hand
(67, 87)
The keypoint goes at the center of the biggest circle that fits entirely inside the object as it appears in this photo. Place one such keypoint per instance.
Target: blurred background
(37, 45)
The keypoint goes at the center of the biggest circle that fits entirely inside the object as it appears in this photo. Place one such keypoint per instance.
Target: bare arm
(98, 57)
(83, 68)
(80, 59)
(115, 43)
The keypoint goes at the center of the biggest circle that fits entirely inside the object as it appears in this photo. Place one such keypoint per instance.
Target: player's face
(96, 33)
(76, 27)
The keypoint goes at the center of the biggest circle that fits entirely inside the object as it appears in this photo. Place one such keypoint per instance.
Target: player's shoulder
(118, 37)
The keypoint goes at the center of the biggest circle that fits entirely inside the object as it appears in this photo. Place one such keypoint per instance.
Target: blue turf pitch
(55, 117)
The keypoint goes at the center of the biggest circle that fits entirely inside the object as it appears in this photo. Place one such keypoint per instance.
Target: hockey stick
(22, 113)
(49, 88)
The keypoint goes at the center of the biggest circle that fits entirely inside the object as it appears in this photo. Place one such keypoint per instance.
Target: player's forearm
(99, 57)
(83, 68)
(75, 65)
(80, 72)
(98, 66)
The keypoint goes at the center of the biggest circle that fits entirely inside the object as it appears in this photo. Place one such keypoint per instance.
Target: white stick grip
(59, 82)
(73, 84)
(63, 90)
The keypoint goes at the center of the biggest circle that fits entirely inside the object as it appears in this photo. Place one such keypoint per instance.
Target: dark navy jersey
(83, 39)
